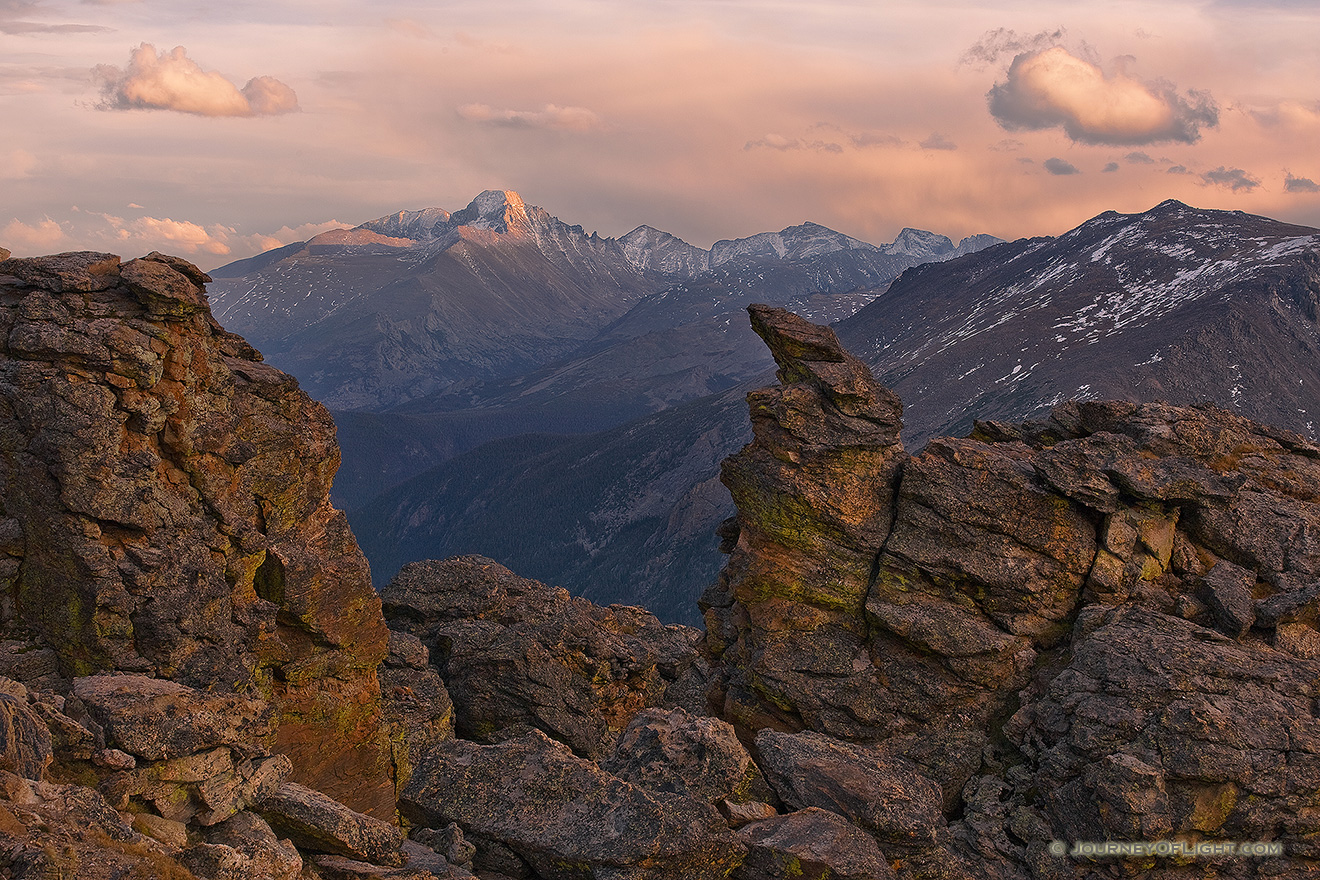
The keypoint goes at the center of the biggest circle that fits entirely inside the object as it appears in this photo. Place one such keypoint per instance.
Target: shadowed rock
(565, 817)
(515, 653)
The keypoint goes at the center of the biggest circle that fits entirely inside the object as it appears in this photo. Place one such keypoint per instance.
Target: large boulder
(888, 797)
(565, 817)
(515, 654)
(697, 756)
(811, 844)
(164, 510)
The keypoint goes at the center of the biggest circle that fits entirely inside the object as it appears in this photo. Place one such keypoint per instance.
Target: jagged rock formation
(165, 509)
(515, 655)
(1109, 615)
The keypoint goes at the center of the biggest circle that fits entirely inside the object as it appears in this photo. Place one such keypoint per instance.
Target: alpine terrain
(1176, 304)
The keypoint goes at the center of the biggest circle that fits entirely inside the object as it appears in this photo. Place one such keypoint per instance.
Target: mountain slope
(417, 301)
(1175, 304)
(628, 513)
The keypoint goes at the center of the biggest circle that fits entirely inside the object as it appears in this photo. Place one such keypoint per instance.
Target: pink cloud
(173, 81)
(1052, 88)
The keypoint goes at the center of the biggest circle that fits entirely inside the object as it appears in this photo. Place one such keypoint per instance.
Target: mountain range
(1174, 304)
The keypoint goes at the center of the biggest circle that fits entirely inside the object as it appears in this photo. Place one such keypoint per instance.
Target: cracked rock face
(164, 509)
(1107, 621)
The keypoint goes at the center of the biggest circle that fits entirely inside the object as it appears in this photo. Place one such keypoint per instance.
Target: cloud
(40, 237)
(1288, 114)
(1060, 167)
(1234, 178)
(179, 236)
(17, 28)
(1052, 88)
(1299, 184)
(938, 141)
(1139, 158)
(173, 81)
(1003, 41)
(783, 144)
(551, 116)
(875, 139)
(1007, 145)
(1177, 169)
(1110, 167)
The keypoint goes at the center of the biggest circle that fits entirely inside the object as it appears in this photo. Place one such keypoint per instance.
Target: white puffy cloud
(550, 116)
(173, 81)
(1052, 88)
(34, 238)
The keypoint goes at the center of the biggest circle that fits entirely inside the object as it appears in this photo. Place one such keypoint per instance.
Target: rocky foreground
(1101, 627)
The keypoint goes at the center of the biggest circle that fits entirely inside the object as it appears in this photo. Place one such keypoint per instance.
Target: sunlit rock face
(165, 510)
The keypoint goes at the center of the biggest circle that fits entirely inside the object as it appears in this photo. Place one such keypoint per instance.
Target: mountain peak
(920, 243)
(500, 210)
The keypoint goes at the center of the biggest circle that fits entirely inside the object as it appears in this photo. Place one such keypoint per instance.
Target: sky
(218, 130)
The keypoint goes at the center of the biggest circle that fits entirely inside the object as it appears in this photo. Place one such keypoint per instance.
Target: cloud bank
(1052, 88)
(173, 81)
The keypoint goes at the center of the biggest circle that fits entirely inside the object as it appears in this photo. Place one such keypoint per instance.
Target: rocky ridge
(897, 679)
(1074, 628)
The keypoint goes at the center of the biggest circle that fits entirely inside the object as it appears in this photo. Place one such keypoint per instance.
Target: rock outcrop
(1105, 623)
(516, 655)
(165, 510)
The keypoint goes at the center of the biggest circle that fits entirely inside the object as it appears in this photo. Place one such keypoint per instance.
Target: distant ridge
(419, 302)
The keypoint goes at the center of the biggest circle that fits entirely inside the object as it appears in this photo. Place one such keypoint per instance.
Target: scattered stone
(114, 759)
(673, 751)
(406, 651)
(1227, 590)
(448, 842)
(564, 816)
(340, 868)
(812, 844)
(167, 831)
(739, 814)
(251, 837)
(886, 796)
(319, 823)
